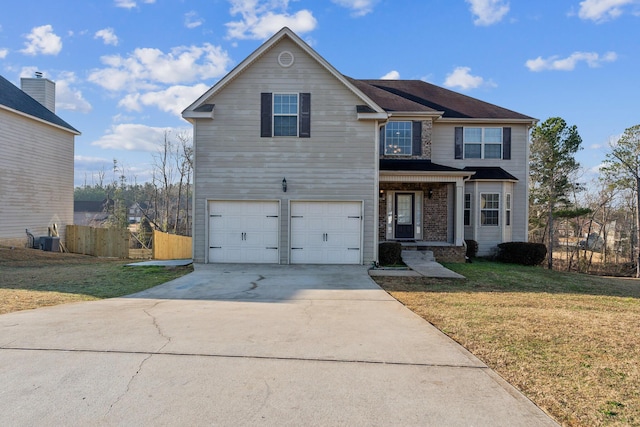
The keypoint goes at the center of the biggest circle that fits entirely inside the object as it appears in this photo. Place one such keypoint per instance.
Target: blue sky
(125, 69)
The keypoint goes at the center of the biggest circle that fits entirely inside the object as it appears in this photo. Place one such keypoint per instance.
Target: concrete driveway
(247, 345)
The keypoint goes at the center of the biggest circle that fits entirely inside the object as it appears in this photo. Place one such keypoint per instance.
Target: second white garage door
(244, 231)
(326, 232)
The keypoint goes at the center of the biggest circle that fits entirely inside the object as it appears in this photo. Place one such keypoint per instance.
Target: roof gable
(284, 33)
(15, 99)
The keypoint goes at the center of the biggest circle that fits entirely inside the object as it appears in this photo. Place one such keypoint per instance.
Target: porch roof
(487, 173)
(415, 165)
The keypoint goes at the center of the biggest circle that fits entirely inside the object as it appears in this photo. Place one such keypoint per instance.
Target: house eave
(476, 120)
(424, 176)
(416, 114)
(187, 115)
(46, 122)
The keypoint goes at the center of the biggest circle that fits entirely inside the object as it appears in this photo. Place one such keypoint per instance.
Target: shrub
(390, 253)
(521, 253)
(472, 248)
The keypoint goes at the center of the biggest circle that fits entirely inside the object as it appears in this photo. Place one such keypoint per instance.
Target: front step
(421, 255)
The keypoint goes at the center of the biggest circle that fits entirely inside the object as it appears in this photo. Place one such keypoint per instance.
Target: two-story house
(297, 163)
(36, 162)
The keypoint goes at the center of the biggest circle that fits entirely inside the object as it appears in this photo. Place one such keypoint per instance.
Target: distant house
(36, 162)
(297, 163)
(90, 213)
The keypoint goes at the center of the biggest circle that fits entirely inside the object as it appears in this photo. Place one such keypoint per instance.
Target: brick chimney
(41, 89)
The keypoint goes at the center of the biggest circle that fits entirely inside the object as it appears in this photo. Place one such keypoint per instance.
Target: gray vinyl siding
(442, 152)
(232, 161)
(36, 178)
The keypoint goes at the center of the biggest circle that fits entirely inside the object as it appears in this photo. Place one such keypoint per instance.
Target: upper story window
(483, 143)
(489, 209)
(398, 138)
(401, 139)
(285, 114)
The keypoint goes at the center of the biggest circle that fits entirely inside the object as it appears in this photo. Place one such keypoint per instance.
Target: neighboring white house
(36, 162)
(297, 163)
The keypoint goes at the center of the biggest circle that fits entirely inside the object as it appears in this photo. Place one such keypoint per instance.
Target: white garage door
(326, 232)
(243, 231)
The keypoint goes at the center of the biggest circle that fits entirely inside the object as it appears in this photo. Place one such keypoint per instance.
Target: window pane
(472, 134)
(493, 151)
(489, 217)
(285, 104)
(467, 201)
(398, 138)
(472, 151)
(285, 126)
(405, 209)
(493, 135)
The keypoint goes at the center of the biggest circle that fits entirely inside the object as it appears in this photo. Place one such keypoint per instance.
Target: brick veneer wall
(434, 209)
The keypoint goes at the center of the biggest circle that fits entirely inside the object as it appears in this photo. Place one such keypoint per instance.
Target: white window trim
(467, 209)
(486, 209)
(482, 143)
(274, 115)
(508, 213)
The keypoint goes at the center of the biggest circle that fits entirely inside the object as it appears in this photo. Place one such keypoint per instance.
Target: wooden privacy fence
(102, 242)
(170, 246)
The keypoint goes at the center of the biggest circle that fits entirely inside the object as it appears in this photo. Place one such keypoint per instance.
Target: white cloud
(42, 40)
(358, 7)
(4, 53)
(68, 98)
(461, 78)
(259, 20)
(172, 100)
(488, 12)
(602, 10)
(130, 4)
(592, 59)
(391, 75)
(132, 137)
(146, 68)
(192, 20)
(107, 35)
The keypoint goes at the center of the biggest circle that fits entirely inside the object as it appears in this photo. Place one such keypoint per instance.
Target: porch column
(459, 213)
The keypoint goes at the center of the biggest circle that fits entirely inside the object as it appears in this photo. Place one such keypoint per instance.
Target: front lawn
(570, 342)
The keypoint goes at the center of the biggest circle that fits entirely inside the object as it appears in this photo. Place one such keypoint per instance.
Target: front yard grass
(570, 342)
(31, 278)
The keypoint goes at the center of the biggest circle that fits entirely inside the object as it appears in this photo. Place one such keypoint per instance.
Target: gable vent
(285, 59)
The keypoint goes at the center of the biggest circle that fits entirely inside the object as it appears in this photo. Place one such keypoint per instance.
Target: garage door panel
(326, 232)
(243, 231)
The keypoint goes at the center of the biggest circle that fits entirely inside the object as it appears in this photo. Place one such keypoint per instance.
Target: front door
(404, 215)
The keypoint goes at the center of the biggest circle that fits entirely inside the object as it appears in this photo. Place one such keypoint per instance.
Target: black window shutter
(458, 143)
(305, 115)
(416, 141)
(383, 130)
(506, 143)
(265, 115)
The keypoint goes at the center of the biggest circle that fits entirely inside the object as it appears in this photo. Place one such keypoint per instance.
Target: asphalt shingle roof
(417, 95)
(16, 99)
(414, 165)
(488, 172)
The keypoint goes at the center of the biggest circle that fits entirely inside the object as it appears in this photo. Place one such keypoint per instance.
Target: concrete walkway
(247, 345)
(420, 263)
